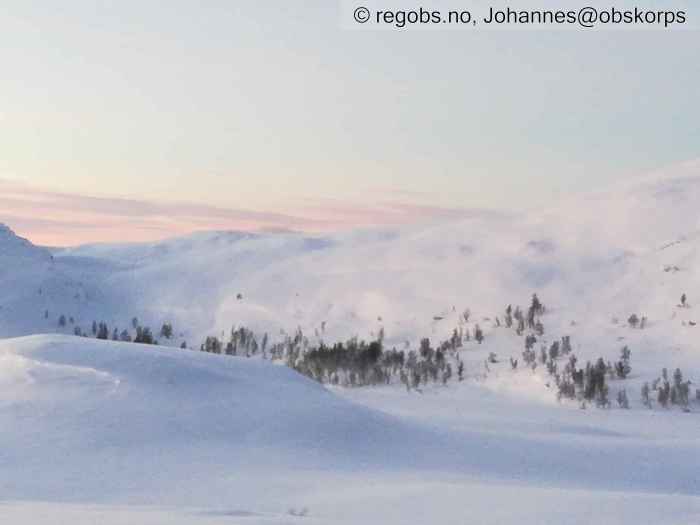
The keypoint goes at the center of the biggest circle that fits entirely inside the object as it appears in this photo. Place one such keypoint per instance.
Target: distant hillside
(632, 249)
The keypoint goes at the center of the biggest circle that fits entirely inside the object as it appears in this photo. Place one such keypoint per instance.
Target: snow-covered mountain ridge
(121, 432)
(595, 256)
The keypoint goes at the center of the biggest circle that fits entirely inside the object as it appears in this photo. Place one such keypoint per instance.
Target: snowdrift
(97, 422)
(94, 421)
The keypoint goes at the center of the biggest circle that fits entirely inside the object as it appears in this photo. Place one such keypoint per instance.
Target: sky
(137, 120)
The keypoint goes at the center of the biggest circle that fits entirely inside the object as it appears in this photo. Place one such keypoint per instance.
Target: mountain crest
(12, 245)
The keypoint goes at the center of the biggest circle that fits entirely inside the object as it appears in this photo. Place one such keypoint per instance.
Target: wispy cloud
(62, 219)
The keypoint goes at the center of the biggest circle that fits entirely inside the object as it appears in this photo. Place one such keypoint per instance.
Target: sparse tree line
(101, 330)
(633, 321)
(515, 318)
(586, 384)
(357, 362)
(590, 384)
(665, 392)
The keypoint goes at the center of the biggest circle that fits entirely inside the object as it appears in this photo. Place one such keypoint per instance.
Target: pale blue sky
(252, 104)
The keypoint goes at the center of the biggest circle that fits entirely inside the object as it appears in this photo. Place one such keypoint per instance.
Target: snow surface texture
(133, 430)
(108, 432)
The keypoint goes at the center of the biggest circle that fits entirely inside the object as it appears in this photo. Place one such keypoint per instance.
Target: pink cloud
(64, 219)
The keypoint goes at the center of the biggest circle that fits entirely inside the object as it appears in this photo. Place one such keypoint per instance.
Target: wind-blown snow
(600, 249)
(129, 433)
(119, 424)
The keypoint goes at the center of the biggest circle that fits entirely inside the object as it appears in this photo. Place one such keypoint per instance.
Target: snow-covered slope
(101, 423)
(96, 421)
(590, 258)
(17, 249)
(23, 270)
(122, 425)
(90, 422)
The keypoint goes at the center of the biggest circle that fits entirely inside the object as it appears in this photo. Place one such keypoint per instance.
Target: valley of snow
(111, 432)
